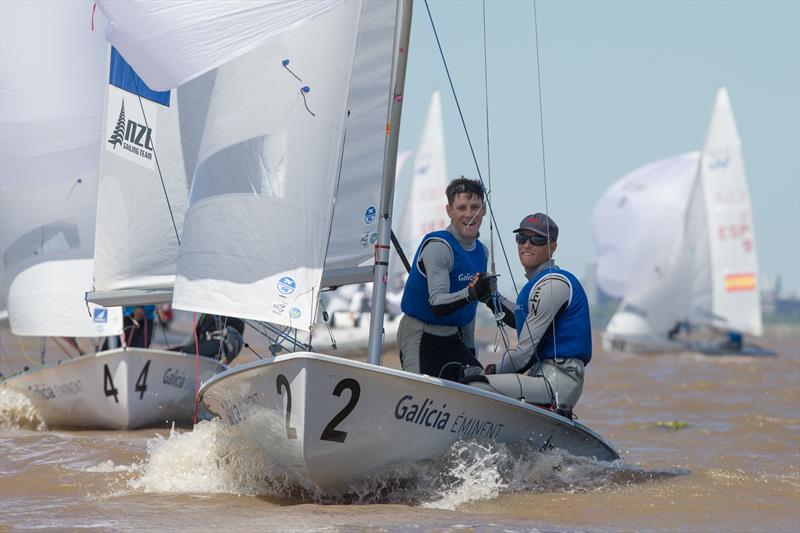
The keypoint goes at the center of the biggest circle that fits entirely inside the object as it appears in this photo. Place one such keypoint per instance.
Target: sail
(256, 231)
(354, 230)
(732, 245)
(423, 210)
(144, 184)
(50, 110)
(701, 267)
(161, 38)
(636, 221)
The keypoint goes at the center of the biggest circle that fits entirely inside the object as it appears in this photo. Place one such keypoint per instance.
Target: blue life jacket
(149, 311)
(416, 300)
(573, 329)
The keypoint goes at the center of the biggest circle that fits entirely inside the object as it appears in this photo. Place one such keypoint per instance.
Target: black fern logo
(119, 130)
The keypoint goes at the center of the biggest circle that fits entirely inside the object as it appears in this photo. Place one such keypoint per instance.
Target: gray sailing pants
(541, 383)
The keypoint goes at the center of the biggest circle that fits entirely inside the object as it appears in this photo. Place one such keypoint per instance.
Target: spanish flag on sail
(740, 282)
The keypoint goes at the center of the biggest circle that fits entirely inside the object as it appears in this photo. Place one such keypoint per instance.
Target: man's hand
(481, 287)
(490, 369)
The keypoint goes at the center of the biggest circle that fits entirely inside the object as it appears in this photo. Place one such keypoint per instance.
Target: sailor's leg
(409, 337)
(539, 386)
(444, 356)
(566, 377)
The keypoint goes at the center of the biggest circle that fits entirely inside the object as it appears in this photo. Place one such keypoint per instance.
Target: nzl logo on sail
(128, 134)
(131, 113)
(132, 136)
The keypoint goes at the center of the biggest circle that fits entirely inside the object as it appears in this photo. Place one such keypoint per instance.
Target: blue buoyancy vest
(416, 300)
(573, 329)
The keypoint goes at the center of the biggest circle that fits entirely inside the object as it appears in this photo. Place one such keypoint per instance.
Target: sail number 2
(330, 433)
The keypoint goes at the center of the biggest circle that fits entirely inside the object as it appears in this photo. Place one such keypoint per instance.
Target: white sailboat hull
(117, 389)
(325, 420)
(652, 344)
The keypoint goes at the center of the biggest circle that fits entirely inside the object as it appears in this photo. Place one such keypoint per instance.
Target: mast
(381, 272)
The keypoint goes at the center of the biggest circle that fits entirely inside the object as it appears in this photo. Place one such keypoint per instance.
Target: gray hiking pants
(541, 383)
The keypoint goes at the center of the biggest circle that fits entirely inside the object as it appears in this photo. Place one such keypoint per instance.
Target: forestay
(50, 114)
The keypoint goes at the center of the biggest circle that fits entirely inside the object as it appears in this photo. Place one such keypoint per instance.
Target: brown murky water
(732, 463)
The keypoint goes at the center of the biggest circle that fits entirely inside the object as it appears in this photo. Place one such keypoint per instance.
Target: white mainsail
(256, 231)
(675, 240)
(144, 184)
(50, 109)
(736, 302)
(350, 254)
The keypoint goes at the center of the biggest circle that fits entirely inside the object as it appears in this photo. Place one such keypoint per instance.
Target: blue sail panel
(122, 75)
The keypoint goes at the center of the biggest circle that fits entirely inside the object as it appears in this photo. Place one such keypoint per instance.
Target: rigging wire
(477, 166)
(544, 176)
(158, 165)
(466, 133)
(492, 267)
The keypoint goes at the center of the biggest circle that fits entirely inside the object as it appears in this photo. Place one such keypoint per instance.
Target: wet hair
(462, 185)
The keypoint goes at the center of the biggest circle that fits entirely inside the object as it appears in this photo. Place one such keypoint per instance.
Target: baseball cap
(540, 224)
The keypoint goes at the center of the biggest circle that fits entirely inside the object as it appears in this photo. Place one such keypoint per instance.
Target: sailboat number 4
(108, 384)
(111, 390)
(330, 432)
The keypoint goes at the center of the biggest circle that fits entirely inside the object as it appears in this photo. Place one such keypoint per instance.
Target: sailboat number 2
(282, 382)
(330, 432)
(111, 390)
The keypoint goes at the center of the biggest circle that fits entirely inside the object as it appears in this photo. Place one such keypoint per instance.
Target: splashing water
(217, 458)
(17, 411)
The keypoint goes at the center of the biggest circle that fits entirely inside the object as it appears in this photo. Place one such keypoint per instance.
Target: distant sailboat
(423, 210)
(675, 240)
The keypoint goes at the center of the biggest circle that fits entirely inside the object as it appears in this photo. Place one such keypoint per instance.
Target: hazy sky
(623, 84)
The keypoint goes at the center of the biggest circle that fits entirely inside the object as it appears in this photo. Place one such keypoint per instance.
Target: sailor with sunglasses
(436, 335)
(551, 317)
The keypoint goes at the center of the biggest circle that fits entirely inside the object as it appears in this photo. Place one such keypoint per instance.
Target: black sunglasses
(536, 240)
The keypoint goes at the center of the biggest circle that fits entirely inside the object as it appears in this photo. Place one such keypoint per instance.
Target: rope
(196, 367)
(25, 354)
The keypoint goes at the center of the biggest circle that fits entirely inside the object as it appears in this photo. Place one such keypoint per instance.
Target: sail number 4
(330, 433)
(111, 390)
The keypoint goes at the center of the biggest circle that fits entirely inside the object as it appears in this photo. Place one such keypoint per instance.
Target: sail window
(255, 166)
(45, 240)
